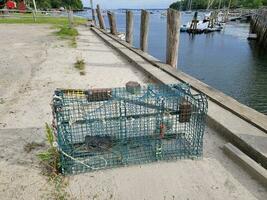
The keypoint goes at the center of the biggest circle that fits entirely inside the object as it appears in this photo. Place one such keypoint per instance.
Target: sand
(33, 63)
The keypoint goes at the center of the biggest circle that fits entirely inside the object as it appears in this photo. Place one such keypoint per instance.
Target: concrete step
(246, 162)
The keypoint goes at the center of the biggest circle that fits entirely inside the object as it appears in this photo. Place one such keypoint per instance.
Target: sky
(113, 4)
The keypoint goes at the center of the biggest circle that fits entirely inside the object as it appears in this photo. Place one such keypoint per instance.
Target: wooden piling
(100, 17)
(112, 23)
(129, 27)
(93, 12)
(144, 28)
(193, 25)
(173, 33)
(258, 26)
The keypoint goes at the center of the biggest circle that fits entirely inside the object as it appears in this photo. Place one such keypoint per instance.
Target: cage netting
(105, 128)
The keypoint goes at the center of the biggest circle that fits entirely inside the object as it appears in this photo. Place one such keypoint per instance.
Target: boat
(163, 15)
(202, 26)
(183, 28)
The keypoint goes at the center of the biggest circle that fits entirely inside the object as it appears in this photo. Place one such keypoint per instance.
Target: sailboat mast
(220, 3)
(227, 12)
(189, 5)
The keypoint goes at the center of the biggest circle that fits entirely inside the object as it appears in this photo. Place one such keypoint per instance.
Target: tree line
(49, 4)
(203, 4)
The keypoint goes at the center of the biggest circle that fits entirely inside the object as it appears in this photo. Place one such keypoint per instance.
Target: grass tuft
(66, 31)
(80, 65)
(82, 73)
(50, 159)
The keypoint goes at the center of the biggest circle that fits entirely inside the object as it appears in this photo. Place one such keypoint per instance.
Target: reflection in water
(226, 60)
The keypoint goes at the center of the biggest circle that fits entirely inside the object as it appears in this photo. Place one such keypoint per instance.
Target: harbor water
(225, 60)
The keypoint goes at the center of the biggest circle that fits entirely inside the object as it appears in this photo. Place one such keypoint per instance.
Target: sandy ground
(33, 63)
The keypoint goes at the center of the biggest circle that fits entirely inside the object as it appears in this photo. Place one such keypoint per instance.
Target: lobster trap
(106, 128)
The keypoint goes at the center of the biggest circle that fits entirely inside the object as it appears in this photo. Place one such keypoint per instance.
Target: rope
(82, 162)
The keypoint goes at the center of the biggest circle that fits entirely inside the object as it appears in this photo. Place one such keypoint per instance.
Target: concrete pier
(111, 62)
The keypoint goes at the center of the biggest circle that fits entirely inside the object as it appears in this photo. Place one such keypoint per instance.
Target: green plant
(70, 33)
(66, 31)
(27, 19)
(50, 159)
(80, 65)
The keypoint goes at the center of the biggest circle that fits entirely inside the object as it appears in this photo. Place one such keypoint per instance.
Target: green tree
(202, 4)
(47, 4)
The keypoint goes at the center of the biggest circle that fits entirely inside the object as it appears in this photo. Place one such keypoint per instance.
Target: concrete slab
(41, 63)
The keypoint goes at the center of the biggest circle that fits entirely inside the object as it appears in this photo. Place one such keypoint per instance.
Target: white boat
(163, 15)
(202, 27)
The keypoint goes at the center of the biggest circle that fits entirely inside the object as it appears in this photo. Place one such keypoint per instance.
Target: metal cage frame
(106, 128)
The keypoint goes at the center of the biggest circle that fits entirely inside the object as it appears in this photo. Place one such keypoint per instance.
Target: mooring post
(93, 11)
(100, 17)
(129, 27)
(173, 33)
(112, 23)
(193, 25)
(144, 28)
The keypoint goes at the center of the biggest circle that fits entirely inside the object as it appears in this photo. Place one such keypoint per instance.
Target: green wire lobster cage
(106, 128)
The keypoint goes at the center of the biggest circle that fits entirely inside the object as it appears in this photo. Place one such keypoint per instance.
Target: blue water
(227, 60)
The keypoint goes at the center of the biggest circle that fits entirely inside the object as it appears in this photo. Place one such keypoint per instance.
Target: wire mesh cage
(106, 128)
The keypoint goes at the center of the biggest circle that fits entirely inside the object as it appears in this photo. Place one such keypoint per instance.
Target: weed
(32, 146)
(80, 65)
(66, 31)
(82, 73)
(50, 159)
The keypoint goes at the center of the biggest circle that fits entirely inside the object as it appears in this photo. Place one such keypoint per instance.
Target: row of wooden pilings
(258, 25)
(173, 31)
